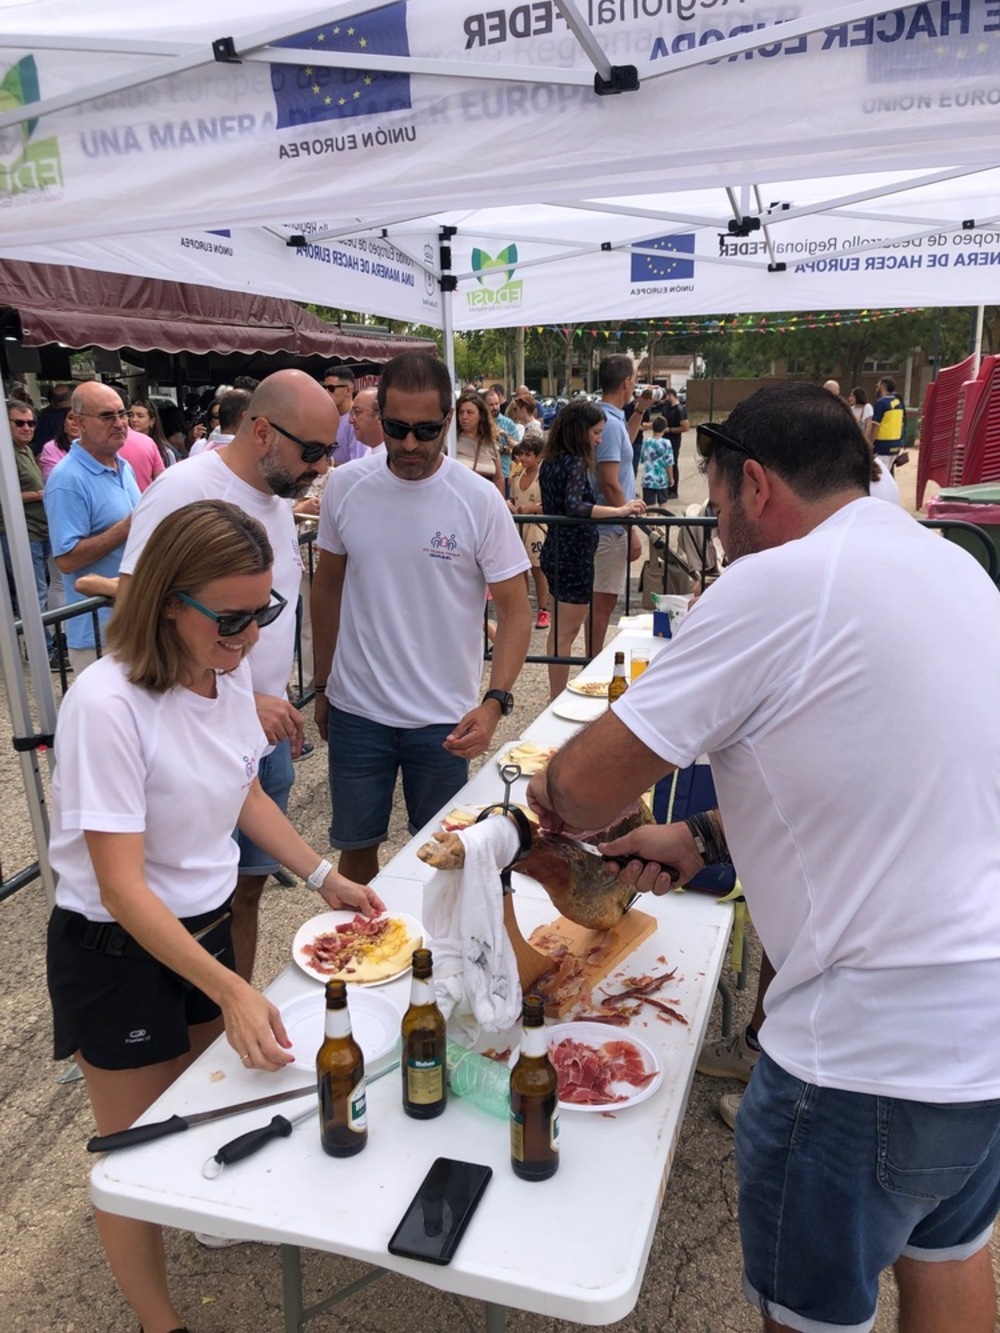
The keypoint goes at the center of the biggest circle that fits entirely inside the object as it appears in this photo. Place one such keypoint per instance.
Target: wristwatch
(504, 698)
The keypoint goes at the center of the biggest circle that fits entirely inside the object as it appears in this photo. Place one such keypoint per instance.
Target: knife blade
(131, 1138)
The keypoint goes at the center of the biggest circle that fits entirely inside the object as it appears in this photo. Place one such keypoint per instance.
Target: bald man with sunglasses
(281, 446)
(409, 542)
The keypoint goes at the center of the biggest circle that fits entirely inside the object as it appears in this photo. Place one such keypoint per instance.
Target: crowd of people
(870, 1132)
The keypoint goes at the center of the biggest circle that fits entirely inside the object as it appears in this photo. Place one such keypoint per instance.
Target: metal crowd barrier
(653, 525)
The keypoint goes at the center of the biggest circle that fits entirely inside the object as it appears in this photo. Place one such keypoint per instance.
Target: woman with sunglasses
(139, 950)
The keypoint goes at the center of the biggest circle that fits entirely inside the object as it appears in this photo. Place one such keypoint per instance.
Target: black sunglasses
(424, 431)
(312, 452)
(235, 622)
(708, 435)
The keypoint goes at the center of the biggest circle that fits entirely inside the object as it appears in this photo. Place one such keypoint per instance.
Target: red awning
(84, 308)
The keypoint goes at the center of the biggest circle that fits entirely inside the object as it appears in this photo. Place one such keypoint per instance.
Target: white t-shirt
(208, 478)
(419, 557)
(175, 767)
(886, 488)
(845, 688)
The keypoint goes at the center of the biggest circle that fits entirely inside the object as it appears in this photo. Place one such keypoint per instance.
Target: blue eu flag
(307, 94)
(653, 268)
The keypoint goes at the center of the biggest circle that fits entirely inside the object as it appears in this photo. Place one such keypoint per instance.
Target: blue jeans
(276, 773)
(40, 552)
(835, 1186)
(365, 758)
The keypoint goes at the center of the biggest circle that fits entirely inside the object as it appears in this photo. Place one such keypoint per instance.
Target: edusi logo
(495, 278)
(27, 165)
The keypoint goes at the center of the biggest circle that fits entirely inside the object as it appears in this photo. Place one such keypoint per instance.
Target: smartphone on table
(436, 1219)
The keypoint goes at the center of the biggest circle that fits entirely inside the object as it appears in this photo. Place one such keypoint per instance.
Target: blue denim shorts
(365, 758)
(835, 1186)
(276, 774)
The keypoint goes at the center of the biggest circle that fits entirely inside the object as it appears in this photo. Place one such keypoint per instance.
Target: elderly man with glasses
(409, 543)
(863, 822)
(282, 445)
(89, 499)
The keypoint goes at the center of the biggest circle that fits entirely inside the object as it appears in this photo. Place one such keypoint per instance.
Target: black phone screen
(433, 1224)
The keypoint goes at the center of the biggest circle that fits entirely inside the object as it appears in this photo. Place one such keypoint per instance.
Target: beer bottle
(534, 1100)
(424, 1042)
(619, 681)
(340, 1076)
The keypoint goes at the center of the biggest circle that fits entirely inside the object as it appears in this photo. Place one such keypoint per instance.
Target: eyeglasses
(708, 435)
(312, 451)
(106, 418)
(25, 425)
(424, 431)
(336, 388)
(235, 622)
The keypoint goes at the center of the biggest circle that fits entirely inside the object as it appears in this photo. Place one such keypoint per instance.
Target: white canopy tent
(324, 150)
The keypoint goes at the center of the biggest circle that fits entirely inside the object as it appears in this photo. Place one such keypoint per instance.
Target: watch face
(504, 698)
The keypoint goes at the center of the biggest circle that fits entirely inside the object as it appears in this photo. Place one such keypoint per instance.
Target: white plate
(374, 1022)
(578, 682)
(472, 812)
(579, 707)
(503, 757)
(596, 1034)
(327, 921)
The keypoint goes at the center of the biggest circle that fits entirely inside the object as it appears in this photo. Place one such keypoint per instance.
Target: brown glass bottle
(534, 1100)
(619, 681)
(424, 1041)
(340, 1078)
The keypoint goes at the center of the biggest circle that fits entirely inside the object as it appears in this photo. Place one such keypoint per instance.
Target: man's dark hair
(232, 408)
(416, 372)
(246, 382)
(890, 383)
(614, 371)
(670, 393)
(344, 373)
(801, 432)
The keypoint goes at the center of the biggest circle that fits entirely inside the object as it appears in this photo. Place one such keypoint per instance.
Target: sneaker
(543, 621)
(215, 1242)
(729, 1104)
(729, 1057)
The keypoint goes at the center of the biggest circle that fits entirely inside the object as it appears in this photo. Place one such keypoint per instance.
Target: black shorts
(126, 1010)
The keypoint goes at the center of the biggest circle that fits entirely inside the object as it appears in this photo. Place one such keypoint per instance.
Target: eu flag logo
(307, 94)
(665, 267)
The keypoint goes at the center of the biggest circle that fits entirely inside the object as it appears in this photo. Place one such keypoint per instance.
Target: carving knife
(131, 1138)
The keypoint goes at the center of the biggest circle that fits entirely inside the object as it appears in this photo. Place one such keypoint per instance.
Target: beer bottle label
(424, 1082)
(357, 1109)
(516, 1137)
(554, 1131)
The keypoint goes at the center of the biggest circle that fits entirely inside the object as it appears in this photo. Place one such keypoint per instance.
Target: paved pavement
(54, 1277)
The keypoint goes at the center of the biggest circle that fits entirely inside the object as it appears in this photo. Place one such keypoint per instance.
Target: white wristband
(318, 877)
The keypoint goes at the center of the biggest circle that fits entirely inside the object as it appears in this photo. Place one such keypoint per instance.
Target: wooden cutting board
(621, 941)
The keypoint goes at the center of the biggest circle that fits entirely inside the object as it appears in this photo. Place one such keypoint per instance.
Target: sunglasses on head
(235, 622)
(708, 435)
(312, 451)
(424, 431)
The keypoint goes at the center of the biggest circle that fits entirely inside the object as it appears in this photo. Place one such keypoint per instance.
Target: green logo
(27, 164)
(495, 279)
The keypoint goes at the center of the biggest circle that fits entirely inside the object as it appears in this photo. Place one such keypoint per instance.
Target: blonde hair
(194, 545)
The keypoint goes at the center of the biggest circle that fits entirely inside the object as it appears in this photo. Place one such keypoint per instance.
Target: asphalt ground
(54, 1277)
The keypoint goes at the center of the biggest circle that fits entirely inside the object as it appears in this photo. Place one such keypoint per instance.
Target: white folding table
(573, 1247)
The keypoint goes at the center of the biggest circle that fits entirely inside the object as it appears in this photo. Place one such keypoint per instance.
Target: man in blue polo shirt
(89, 500)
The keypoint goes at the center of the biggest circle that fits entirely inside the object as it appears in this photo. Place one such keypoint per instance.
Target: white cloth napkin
(475, 971)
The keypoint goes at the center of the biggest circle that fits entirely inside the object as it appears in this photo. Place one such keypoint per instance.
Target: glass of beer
(638, 662)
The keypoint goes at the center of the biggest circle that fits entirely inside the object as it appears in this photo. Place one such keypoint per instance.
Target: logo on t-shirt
(443, 546)
(250, 767)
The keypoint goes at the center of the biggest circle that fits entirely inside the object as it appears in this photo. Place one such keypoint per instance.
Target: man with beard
(409, 542)
(281, 446)
(870, 1132)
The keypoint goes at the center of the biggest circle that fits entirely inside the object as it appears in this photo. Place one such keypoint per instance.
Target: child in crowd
(526, 498)
(657, 464)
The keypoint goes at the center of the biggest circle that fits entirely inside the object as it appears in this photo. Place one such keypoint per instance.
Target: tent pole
(977, 340)
(22, 723)
(448, 283)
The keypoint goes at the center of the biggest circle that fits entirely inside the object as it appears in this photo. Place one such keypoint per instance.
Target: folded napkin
(475, 971)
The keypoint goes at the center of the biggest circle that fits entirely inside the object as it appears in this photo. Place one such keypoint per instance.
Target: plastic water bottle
(483, 1082)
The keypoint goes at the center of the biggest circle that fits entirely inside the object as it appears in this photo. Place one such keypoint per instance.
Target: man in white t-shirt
(864, 825)
(409, 543)
(281, 446)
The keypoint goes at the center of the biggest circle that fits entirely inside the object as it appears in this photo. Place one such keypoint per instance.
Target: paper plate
(327, 921)
(374, 1022)
(529, 765)
(596, 1034)
(578, 707)
(590, 687)
(464, 816)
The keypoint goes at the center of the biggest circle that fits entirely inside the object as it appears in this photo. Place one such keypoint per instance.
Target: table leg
(291, 1287)
(496, 1317)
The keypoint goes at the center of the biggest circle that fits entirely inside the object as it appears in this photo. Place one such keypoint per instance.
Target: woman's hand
(343, 893)
(632, 509)
(254, 1028)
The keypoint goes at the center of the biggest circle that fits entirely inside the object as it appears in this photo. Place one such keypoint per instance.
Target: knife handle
(131, 1138)
(255, 1139)
(624, 858)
